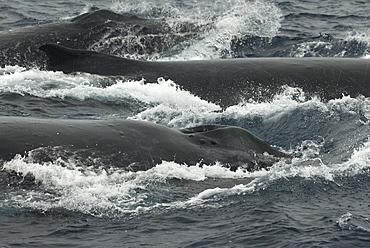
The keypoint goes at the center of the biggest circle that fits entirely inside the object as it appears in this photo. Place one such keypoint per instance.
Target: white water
(230, 20)
(170, 105)
(115, 192)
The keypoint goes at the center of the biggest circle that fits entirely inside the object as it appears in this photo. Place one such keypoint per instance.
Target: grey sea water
(319, 199)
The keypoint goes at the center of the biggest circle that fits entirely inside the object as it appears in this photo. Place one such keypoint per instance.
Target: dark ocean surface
(320, 199)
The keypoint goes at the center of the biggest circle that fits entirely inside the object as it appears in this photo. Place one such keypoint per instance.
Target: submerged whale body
(132, 145)
(227, 81)
(93, 30)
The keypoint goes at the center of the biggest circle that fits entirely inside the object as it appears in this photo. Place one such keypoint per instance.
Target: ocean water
(319, 199)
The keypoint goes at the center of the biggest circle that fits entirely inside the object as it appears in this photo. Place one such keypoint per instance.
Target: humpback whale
(93, 30)
(227, 81)
(132, 145)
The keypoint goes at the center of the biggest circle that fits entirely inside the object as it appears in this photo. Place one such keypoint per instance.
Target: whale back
(227, 82)
(132, 145)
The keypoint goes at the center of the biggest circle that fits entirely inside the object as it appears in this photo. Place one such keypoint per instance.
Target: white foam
(311, 48)
(198, 113)
(290, 99)
(180, 116)
(230, 20)
(70, 188)
(197, 173)
(359, 105)
(105, 192)
(82, 86)
(361, 36)
(323, 48)
(308, 166)
(42, 83)
(349, 221)
(255, 18)
(165, 92)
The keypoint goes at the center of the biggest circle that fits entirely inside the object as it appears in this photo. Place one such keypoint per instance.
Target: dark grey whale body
(228, 81)
(133, 145)
(20, 46)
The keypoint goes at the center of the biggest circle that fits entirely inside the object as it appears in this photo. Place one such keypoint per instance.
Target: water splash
(180, 116)
(106, 192)
(244, 19)
(230, 20)
(351, 222)
(166, 103)
(83, 86)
